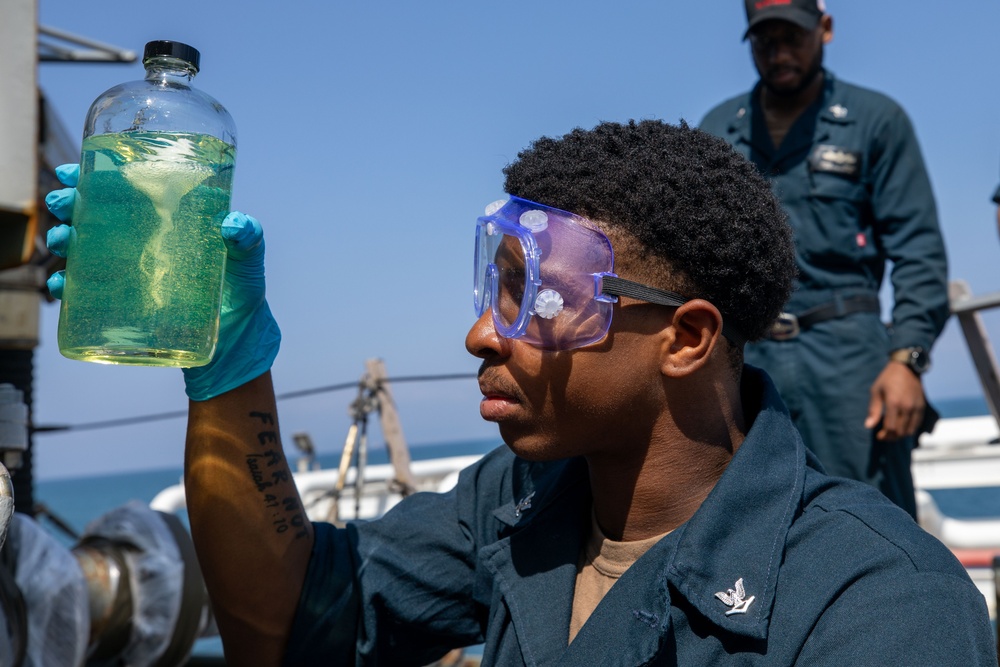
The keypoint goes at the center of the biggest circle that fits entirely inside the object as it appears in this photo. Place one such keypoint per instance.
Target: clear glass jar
(145, 261)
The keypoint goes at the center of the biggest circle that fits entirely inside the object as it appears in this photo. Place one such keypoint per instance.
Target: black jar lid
(165, 47)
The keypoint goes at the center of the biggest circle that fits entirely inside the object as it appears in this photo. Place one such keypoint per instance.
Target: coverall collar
(831, 110)
(739, 532)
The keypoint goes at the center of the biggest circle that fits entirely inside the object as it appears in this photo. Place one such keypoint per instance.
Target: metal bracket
(966, 308)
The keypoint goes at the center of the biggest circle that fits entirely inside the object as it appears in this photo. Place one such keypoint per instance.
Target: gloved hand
(248, 335)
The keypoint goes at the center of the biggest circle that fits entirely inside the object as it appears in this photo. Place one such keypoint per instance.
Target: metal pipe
(103, 574)
(94, 52)
(109, 593)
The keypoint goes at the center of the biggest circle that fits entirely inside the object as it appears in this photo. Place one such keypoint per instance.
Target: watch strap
(915, 358)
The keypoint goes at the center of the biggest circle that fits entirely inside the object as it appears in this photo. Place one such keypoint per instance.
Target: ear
(693, 334)
(827, 23)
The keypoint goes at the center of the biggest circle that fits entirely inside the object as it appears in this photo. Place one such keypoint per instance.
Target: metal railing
(966, 308)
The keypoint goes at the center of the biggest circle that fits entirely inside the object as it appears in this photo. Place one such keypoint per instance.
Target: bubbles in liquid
(165, 180)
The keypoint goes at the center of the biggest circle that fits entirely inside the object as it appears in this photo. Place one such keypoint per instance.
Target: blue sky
(372, 134)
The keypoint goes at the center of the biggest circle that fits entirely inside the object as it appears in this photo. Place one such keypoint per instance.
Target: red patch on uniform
(862, 241)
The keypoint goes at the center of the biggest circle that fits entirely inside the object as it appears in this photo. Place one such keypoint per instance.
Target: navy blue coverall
(851, 178)
(781, 565)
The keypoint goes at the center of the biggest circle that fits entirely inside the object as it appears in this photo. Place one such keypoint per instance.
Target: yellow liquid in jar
(145, 261)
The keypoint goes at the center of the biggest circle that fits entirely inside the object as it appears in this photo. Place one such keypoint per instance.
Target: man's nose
(778, 52)
(483, 340)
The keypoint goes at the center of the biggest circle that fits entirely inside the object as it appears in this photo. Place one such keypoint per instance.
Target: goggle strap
(615, 286)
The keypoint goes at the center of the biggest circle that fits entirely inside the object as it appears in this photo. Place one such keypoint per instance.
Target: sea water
(145, 261)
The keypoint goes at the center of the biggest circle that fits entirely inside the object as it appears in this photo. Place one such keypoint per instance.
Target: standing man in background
(845, 163)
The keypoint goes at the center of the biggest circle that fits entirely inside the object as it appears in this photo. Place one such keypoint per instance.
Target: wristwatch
(917, 359)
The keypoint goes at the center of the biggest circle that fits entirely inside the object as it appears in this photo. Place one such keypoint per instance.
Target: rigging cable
(141, 419)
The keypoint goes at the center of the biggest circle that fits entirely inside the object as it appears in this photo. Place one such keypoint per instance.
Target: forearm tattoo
(269, 472)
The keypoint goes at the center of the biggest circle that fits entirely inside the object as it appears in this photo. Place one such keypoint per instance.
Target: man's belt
(789, 325)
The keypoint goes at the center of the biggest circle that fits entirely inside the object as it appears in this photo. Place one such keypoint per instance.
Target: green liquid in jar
(145, 262)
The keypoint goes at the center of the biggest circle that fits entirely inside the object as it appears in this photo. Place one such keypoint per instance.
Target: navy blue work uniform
(851, 178)
(781, 565)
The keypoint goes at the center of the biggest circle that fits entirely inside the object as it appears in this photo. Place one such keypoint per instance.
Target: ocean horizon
(78, 500)
(962, 406)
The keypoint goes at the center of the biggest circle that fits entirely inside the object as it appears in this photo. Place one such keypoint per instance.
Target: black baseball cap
(803, 13)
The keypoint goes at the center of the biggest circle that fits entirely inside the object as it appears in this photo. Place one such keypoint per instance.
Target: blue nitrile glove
(60, 203)
(248, 335)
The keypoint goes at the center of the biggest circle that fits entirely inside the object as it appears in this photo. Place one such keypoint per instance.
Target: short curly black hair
(699, 210)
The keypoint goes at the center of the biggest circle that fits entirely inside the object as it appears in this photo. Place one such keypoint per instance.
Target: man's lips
(783, 73)
(499, 397)
(495, 407)
(494, 393)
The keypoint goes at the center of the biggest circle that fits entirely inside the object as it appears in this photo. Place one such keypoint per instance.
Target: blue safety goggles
(548, 276)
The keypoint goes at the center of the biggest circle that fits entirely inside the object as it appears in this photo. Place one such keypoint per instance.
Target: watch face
(920, 360)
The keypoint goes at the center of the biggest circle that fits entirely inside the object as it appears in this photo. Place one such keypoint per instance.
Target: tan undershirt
(602, 562)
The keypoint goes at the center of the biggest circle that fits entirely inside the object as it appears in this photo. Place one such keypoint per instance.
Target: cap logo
(764, 4)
